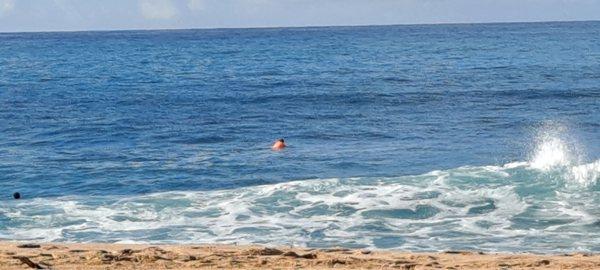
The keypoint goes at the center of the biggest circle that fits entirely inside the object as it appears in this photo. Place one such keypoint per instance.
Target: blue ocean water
(421, 137)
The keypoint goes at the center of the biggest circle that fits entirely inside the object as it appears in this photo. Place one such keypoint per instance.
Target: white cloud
(6, 6)
(196, 5)
(157, 9)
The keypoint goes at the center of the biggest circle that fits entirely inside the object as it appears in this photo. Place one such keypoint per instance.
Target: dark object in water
(17, 195)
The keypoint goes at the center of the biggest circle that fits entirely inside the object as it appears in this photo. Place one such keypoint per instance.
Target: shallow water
(406, 137)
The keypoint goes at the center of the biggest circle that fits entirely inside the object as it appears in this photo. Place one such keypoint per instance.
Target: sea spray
(552, 147)
(552, 152)
(558, 152)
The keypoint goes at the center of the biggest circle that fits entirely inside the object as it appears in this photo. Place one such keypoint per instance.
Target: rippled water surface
(400, 137)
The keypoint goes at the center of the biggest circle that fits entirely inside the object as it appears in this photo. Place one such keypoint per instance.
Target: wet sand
(124, 256)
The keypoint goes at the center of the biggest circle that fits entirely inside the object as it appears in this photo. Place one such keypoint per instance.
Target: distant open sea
(418, 137)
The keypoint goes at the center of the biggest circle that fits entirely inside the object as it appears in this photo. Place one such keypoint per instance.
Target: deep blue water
(421, 137)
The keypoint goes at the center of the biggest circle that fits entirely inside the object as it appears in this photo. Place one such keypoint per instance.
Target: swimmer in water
(278, 145)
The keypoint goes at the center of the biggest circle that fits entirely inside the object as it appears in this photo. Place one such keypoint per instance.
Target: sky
(76, 15)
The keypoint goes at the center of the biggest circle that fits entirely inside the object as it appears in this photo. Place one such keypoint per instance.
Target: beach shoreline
(21, 255)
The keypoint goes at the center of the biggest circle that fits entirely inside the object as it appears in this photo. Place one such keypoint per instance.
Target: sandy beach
(125, 256)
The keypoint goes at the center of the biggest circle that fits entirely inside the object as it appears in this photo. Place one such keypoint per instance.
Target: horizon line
(295, 26)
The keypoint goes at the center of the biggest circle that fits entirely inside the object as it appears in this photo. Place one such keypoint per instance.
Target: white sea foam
(586, 174)
(464, 207)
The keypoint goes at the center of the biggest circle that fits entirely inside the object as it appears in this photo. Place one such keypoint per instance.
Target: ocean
(416, 137)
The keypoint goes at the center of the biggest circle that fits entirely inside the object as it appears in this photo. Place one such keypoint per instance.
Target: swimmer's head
(278, 145)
